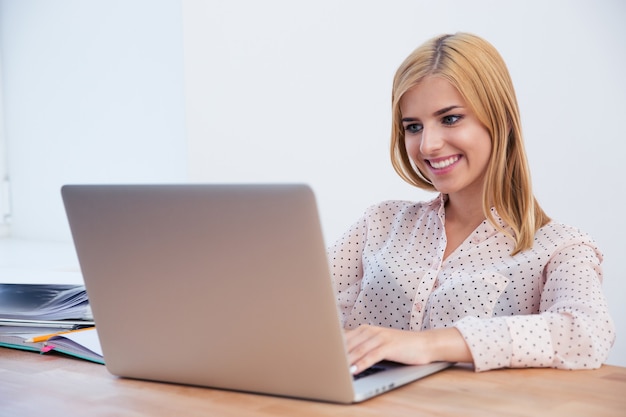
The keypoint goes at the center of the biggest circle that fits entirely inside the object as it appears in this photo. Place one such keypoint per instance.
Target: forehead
(431, 94)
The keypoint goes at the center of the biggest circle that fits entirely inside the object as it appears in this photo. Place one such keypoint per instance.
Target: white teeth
(444, 163)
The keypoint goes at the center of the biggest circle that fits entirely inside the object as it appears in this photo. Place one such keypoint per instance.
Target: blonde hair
(479, 73)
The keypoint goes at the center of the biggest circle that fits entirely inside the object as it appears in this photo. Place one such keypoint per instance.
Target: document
(48, 317)
(28, 302)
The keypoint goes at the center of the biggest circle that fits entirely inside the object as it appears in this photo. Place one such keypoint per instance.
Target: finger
(361, 339)
(356, 336)
(365, 348)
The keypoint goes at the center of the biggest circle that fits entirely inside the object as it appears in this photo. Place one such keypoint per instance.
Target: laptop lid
(224, 286)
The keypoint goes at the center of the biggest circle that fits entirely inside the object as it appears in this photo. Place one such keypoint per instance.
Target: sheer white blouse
(543, 307)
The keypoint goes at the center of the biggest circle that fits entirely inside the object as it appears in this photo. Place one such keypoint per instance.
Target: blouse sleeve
(573, 330)
(346, 266)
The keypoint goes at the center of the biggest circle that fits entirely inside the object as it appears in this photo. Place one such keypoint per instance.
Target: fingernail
(353, 369)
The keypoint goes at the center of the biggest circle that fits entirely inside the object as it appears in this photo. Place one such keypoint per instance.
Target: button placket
(421, 297)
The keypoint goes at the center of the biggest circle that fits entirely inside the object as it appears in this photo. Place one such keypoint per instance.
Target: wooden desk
(54, 385)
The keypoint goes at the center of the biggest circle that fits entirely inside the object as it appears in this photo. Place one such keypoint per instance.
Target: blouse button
(418, 307)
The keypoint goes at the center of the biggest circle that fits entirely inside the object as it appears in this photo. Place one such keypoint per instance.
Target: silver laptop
(224, 286)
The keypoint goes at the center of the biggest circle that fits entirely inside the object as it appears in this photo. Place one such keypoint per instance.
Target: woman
(479, 274)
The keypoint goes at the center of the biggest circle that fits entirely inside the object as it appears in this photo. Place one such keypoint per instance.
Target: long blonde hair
(479, 73)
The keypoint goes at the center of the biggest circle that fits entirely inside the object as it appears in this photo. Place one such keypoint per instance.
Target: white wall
(107, 91)
(299, 91)
(5, 209)
(93, 92)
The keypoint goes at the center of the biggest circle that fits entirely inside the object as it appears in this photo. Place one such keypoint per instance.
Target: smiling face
(444, 139)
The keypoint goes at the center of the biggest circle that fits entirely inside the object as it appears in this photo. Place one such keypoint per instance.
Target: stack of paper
(44, 302)
(44, 317)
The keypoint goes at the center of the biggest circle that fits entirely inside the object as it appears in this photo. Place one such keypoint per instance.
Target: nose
(431, 141)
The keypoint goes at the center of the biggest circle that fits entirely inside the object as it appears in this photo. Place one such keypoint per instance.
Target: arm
(573, 329)
(345, 258)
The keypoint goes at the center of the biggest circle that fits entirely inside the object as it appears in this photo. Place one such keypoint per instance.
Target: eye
(413, 128)
(451, 119)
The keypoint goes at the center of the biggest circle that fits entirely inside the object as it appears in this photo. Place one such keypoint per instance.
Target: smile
(444, 163)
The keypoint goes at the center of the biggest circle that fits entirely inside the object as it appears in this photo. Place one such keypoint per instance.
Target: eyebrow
(437, 113)
(446, 109)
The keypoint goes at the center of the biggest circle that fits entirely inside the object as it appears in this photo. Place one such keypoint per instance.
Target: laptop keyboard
(369, 371)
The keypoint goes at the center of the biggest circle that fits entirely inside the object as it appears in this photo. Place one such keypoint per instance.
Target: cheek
(485, 146)
(412, 146)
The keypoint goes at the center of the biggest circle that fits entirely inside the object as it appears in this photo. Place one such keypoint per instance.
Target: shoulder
(393, 218)
(559, 232)
(390, 210)
(558, 236)
(400, 212)
(397, 219)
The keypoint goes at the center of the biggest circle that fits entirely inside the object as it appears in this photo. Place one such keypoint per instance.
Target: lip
(441, 166)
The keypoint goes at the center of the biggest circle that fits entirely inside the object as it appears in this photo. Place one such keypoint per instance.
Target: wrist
(448, 345)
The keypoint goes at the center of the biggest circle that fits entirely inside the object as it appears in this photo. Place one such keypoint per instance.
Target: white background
(248, 91)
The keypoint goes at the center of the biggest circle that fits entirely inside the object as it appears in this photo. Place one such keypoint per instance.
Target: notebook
(82, 344)
(217, 285)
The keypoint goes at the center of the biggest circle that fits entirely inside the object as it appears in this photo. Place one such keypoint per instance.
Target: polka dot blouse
(543, 307)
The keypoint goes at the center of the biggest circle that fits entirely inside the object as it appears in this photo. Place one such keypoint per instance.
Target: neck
(466, 209)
